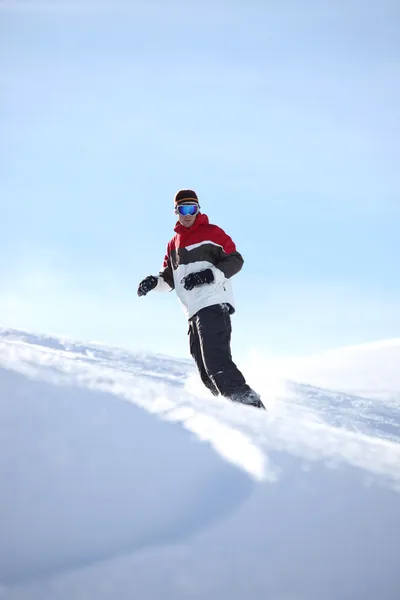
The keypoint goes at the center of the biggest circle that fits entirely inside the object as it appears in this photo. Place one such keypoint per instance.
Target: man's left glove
(199, 278)
(146, 285)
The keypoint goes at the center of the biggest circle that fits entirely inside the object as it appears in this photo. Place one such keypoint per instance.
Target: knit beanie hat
(185, 197)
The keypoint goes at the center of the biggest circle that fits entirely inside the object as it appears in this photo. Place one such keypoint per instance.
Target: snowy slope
(121, 478)
(368, 370)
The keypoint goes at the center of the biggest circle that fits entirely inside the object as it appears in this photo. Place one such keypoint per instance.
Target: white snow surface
(371, 370)
(121, 477)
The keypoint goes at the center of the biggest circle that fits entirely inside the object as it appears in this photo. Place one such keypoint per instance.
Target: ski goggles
(187, 209)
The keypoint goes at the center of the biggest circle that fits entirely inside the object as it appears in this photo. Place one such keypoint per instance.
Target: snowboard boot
(251, 399)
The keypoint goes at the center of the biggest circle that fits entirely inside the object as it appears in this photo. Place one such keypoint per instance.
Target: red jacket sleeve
(166, 271)
(231, 261)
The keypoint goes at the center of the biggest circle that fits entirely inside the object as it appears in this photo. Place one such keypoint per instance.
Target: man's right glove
(146, 285)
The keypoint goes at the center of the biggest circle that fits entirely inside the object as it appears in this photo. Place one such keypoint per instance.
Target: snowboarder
(199, 264)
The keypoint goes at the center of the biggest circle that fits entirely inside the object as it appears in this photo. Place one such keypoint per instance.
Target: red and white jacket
(201, 246)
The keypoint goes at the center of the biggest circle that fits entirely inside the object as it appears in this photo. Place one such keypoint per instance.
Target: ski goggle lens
(188, 209)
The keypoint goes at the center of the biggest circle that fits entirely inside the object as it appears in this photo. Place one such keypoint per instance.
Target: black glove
(146, 285)
(193, 279)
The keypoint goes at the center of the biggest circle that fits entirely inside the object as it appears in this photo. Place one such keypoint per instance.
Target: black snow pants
(210, 345)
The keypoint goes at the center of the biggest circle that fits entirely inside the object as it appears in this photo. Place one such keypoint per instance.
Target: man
(200, 261)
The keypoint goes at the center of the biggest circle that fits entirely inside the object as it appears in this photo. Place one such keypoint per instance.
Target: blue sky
(284, 117)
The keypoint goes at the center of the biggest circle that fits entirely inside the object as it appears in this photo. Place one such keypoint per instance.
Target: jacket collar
(201, 219)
